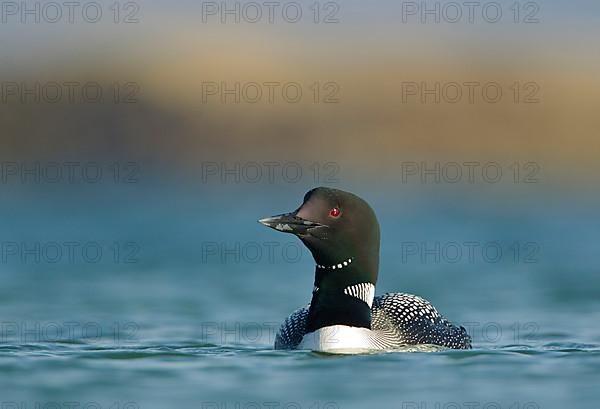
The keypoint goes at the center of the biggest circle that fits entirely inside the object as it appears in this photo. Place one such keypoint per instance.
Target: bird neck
(341, 296)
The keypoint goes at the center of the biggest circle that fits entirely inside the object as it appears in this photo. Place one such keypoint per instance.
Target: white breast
(339, 339)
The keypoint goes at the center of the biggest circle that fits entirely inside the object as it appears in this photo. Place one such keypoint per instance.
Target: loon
(341, 231)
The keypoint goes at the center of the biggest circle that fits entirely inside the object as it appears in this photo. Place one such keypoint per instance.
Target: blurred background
(140, 142)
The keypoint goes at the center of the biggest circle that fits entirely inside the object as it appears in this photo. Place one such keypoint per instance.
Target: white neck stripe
(363, 291)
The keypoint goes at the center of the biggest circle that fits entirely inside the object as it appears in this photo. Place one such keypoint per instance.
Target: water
(181, 328)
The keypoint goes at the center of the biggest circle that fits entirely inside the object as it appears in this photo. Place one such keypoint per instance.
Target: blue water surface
(180, 310)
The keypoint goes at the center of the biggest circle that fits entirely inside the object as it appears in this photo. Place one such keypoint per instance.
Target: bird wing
(417, 321)
(292, 330)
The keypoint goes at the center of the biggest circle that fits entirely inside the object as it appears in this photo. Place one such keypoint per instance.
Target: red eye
(335, 212)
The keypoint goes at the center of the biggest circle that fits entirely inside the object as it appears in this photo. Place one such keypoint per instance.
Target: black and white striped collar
(363, 291)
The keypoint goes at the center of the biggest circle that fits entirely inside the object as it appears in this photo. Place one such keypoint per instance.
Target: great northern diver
(344, 316)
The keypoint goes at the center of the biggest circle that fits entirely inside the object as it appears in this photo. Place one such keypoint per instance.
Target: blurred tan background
(366, 58)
